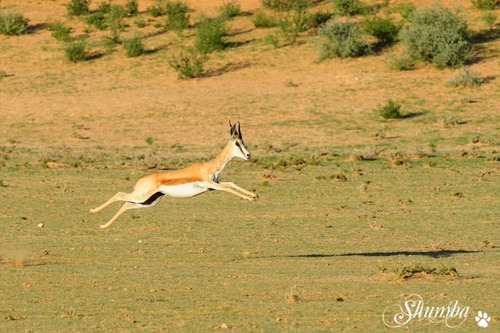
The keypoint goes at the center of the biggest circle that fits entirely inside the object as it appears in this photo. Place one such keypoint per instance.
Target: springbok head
(236, 140)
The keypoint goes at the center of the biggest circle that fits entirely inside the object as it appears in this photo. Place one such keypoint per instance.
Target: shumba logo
(413, 308)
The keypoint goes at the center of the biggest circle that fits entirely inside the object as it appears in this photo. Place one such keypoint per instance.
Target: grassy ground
(322, 250)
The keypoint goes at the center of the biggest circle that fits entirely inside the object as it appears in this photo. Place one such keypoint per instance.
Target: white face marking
(239, 149)
(183, 191)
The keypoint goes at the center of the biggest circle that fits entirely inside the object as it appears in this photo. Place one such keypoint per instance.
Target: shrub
(485, 4)
(12, 23)
(76, 51)
(98, 20)
(466, 78)
(60, 31)
(188, 64)
(318, 19)
(158, 9)
(405, 9)
(229, 10)
(78, 7)
(347, 7)
(490, 19)
(279, 5)
(343, 39)
(385, 30)
(401, 63)
(133, 46)
(439, 36)
(115, 21)
(211, 35)
(263, 20)
(132, 7)
(391, 110)
(177, 17)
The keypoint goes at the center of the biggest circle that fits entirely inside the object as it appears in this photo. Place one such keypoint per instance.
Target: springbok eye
(237, 144)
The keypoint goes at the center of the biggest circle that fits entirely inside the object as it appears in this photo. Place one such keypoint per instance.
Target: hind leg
(120, 196)
(125, 207)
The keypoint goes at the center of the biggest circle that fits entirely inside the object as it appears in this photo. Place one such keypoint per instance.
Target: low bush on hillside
(384, 29)
(343, 39)
(466, 78)
(134, 46)
(485, 4)
(347, 7)
(78, 7)
(177, 15)
(76, 51)
(12, 23)
(439, 36)
(188, 64)
(211, 34)
(391, 110)
(60, 31)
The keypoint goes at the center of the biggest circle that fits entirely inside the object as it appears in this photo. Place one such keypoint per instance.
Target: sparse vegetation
(60, 31)
(343, 39)
(402, 62)
(439, 36)
(416, 269)
(12, 23)
(466, 78)
(115, 22)
(490, 19)
(188, 64)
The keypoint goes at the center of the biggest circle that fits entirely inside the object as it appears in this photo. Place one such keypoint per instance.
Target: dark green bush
(261, 19)
(229, 10)
(391, 110)
(439, 36)
(385, 30)
(285, 5)
(347, 7)
(177, 15)
(132, 7)
(12, 23)
(188, 64)
(211, 35)
(133, 46)
(343, 39)
(78, 7)
(76, 51)
(60, 31)
(485, 4)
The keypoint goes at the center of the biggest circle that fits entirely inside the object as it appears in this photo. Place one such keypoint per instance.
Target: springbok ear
(232, 130)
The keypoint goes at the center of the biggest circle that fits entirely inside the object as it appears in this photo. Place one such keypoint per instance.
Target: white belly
(184, 190)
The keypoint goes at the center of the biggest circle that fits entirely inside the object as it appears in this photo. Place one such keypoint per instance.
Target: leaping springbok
(184, 183)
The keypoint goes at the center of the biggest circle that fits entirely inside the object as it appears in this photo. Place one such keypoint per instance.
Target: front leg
(222, 187)
(236, 187)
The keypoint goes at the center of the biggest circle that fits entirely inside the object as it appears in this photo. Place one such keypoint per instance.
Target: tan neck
(223, 158)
